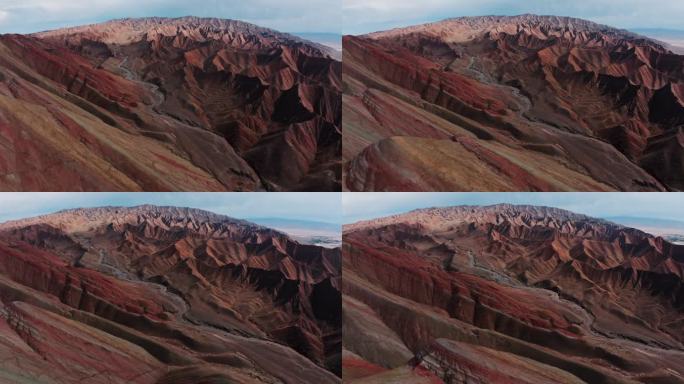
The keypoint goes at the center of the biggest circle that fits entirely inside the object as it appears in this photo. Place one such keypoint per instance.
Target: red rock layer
(169, 104)
(165, 295)
(591, 103)
(589, 300)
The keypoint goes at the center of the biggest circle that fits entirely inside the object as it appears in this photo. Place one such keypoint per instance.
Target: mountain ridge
(521, 19)
(91, 213)
(504, 209)
(144, 25)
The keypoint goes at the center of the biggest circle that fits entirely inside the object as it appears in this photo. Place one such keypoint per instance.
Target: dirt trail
(178, 302)
(153, 88)
(525, 103)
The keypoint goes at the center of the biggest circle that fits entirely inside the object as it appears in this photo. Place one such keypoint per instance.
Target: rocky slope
(165, 295)
(168, 104)
(535, 103)
(510, 294)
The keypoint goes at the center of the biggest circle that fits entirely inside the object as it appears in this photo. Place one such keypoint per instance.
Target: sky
(324, 207)
(363, 206)
(25, 16)
(363, 16)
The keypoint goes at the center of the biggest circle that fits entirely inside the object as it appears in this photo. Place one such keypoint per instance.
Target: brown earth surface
(523, 103)
(510, 294)
(168, 104)
(165, 295)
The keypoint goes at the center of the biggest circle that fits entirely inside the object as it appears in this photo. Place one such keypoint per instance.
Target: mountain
(497, 103)
(161, 104)
(165, 295)
(510, 294)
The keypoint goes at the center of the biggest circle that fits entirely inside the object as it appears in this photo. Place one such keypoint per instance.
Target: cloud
(365, 16)
(289, 16)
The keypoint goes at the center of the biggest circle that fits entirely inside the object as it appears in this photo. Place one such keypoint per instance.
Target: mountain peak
(149, 209)
(526, 215)
(472, 26)
(144, 24)
(127, 30)
(530, 18)
(78, 218)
